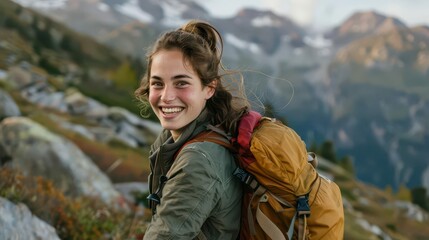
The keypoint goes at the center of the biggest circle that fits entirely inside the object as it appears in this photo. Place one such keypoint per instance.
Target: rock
(118, 114)
(8, 107)
(17, 222)
(18, 77)
(113, 123)
(412, 211)
(376, 230)
(129, 128)
(79, 104)
(3, 75)
(37, 152)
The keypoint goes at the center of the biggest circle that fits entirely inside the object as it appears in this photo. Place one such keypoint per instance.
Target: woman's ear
(211, 88)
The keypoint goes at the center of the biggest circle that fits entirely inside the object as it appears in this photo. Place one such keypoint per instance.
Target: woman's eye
(181, 84)
(156, 84)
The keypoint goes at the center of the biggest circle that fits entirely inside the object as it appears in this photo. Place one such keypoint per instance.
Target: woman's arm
(188, 197)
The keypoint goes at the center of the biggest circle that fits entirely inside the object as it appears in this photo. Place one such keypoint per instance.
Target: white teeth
(172, 110)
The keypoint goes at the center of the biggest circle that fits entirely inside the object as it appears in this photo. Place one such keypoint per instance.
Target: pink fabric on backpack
(246, 125)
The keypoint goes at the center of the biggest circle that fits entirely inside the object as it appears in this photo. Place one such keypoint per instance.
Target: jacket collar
(166, 147)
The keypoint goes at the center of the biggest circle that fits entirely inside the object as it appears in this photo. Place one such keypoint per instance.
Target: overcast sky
(326, 13)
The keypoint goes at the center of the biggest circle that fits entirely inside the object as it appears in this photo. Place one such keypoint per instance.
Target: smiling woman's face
(176, 94)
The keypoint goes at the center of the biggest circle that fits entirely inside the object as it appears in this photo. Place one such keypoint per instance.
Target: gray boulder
(412, 211)
(8, 107)
(35, 151)
(79, 104)
(17, 222)
(18, 78)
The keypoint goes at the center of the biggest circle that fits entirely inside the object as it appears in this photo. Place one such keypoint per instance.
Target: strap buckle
(154, 198)
(303, 208)
(246, 178)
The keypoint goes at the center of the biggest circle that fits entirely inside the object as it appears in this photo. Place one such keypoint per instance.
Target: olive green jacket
(201, 195)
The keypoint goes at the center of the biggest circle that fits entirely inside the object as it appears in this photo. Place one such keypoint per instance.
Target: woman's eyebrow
(156, 77)
(180, 76)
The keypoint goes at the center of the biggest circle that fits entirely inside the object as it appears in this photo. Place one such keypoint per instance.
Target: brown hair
(202, 45)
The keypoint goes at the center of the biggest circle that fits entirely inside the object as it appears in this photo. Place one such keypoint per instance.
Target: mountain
(422, 30)
(362, 24)
(381, 84)
(51, 38)
(262, 28)
(131, 25)
(92, 67)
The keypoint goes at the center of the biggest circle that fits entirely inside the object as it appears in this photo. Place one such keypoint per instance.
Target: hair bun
(206, 32)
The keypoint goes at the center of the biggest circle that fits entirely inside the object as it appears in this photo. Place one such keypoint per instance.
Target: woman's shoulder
(211, 150)
(209, 155)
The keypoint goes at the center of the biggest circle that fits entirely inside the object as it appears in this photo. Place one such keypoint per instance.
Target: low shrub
(73, 218)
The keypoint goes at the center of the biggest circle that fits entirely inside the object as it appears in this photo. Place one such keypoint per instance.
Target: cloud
(409, 13)
(300, 11)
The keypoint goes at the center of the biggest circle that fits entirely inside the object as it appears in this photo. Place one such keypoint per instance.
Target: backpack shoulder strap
(209, 136)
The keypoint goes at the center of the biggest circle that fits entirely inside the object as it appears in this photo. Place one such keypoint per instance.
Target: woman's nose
(168, 94)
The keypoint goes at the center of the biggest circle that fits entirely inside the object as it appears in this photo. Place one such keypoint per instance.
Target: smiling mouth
(171, 110)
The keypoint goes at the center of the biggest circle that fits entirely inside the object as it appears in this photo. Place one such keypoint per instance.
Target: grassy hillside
(371, 213)
(75, 59)
(69, 59)
(46, 36)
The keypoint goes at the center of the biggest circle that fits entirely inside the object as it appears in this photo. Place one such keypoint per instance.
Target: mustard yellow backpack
(286, 198)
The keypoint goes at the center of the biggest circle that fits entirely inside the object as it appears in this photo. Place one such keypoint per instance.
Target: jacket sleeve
(188, 197)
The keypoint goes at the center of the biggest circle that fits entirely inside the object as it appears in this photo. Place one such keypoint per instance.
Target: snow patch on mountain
(317, 41)
(46, 4)
(265, 21)
(416, 126)
(103, 7)
(131, 8)
(174, 10)
(237, 42)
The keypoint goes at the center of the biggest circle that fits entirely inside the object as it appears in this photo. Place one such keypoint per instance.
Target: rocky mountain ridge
(261, 28)
(362, 24)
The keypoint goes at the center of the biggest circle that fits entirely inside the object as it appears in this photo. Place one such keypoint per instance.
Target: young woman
(193, 192)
